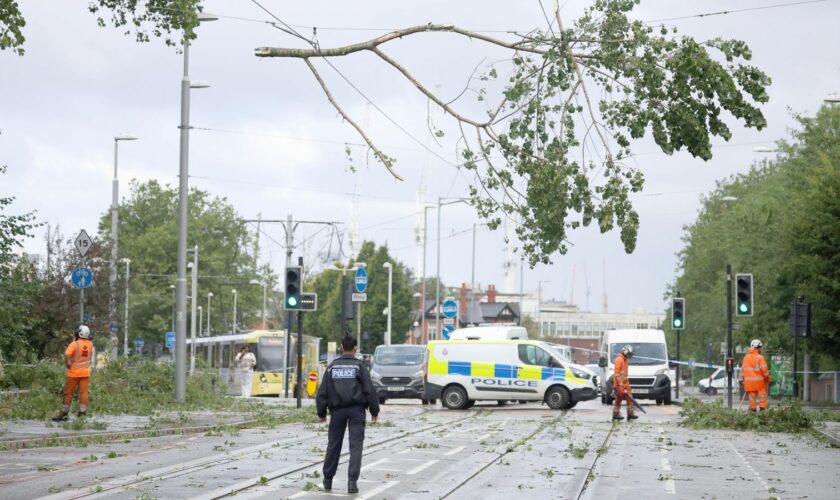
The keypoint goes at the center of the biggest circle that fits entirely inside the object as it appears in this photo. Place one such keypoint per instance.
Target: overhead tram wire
(734, 11)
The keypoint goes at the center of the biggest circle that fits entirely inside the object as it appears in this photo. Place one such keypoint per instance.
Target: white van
(648, 370)
(461, 372)
(490, 333)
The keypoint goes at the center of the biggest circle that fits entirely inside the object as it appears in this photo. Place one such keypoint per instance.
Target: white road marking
(192, 439)
(377, 491)
(750, 467)
(453, 451)
(149, 452)
(407, 450)
(666, 465)
(482, 438)
(299, 494)
(373, 464)
(670, 487)
(421, 467)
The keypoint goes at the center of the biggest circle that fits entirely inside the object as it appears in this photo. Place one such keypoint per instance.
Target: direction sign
(359, 297)
(361, 280)
(170, 340)
(139, 343)
(450, 308)
(83, 243)
(446, 331)
(82, 277)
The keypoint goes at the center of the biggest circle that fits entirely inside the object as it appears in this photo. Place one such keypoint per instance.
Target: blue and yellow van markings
(498, 370)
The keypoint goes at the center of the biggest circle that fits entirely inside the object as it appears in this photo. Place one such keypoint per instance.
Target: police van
(461, 372)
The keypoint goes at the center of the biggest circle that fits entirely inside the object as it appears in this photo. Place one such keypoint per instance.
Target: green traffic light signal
(744, 294)
(678, 313)
(293, 287)
(292, 302)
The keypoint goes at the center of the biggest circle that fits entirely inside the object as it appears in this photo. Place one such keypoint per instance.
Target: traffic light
(730, 366)
(678, 313)
(743, 295)
(293, 288)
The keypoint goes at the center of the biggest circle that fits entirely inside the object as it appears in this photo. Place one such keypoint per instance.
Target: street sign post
(361, 280)
(170, 340)
(83, 243)
(82, 277)
(138, 344)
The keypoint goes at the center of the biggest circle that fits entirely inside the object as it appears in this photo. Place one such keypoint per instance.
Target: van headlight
(375, 375)
(418, 374)
(663, 371)
(580, 374)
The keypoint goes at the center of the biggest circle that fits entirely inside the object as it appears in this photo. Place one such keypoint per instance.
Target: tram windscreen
(270, 354)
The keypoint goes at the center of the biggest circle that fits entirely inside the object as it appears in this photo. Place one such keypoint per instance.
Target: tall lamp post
(390, 269)
(265, 295)
(183, 195)
(174, 300)
(235, 294)
(127, 263)
(441, 202)
(423, 334)
(112, 301)
(209, 296)
(194, 307)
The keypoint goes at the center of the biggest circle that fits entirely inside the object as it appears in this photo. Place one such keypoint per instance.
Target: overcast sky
(277, 147)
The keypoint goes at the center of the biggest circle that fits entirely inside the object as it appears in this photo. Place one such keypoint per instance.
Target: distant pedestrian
(77, 358)
(755, 376)
(346, 390)
(247, 362)
(621, 384)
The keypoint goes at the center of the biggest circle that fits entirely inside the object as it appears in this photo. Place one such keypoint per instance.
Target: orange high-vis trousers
(761, 395)
(70, 388)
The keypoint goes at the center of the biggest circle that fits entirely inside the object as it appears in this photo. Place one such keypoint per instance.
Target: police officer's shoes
(351, 487)
(632, 417)
(618, 417)
(61, 417)
(328, 483)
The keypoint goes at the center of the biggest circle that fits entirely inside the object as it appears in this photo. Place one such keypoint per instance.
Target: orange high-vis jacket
(754, 371)
(79, 354)
(620, 374)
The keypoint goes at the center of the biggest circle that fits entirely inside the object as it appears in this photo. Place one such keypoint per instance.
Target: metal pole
(299, 364)
(234, 310)
(424, 339)
(521, 294)
(125, 323)
(112, 281)
(539, 308)
(729, 334)
(209, 296)
(677, 391)
(265, 293)
(390, 285)
(183, 195)
(795, 366)
(437, 277)
(290, 232)
(194, 306)
(472, 277)
(173, 307)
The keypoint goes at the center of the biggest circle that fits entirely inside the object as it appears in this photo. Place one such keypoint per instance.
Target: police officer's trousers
(340, 419)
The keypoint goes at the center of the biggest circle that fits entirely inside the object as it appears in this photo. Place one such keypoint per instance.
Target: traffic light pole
(728, 335)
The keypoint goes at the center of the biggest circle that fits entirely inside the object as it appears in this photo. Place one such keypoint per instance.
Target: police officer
(347, 391)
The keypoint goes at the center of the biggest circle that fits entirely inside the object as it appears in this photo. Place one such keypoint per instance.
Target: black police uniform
(347, 391)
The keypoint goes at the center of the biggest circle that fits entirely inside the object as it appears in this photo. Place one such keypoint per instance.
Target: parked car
(397, 372)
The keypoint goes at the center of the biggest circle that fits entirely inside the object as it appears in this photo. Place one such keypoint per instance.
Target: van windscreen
(643, 353)
(403, 356)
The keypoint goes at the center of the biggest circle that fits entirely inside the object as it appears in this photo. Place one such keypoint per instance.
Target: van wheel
(501, 402)
(667, 399)
(711, 391)
(470, 403)
(557, 398)
(424, 401)
(454, 397)
(571, 405)
(522, 402)
(659, 401)
(433, 401)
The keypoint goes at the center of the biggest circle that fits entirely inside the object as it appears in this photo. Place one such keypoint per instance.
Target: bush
(777, 418)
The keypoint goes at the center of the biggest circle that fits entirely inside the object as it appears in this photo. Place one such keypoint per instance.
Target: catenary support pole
(290, 240)
(728, 334)
(299, 364)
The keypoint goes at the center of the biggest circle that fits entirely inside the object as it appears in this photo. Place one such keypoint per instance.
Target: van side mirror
(602, 362)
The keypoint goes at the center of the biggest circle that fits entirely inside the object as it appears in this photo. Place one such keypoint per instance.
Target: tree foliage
(171, 19)
(784, 228)
(551, 150)
(325, 322)
(148, 236)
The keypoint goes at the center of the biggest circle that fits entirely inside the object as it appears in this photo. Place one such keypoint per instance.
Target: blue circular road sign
(361, 280)
(446, 331)
(449, 309)
(139, 343)
(82, 277)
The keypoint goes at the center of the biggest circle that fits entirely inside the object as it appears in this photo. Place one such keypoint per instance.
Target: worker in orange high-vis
(621, 384)
(77, 358)
(755, 376)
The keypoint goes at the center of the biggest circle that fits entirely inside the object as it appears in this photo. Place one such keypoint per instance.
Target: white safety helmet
(627, 350)
(83, 332)
(756, 344)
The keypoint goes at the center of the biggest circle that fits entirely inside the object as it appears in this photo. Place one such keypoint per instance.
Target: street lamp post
(424, 338)
(729, 354)
(174, 300)
(265, 295)
(390, 269)
(194, 307)
(441, 202)
(183, 195)
(209, 296)
(112, 301)
(235, 294)
(127, 263)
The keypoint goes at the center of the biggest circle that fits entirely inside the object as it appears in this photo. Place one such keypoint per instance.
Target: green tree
(148, 236)
(325, 322)
(783, 228)
(160, 17)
